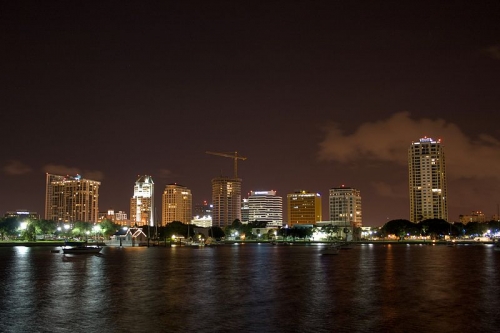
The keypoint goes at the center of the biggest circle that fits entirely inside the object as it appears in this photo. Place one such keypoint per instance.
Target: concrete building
(475, 216)
(203, 209)
(345, 206)
(70, 199)
(177, 204)
(304, 208)
(142, 203)
(265, 206)
(427, 180)
(226, 198)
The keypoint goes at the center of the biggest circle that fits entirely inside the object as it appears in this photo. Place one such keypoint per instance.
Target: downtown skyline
(315, 95)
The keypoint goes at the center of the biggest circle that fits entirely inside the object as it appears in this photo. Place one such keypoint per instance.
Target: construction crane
(234, 156)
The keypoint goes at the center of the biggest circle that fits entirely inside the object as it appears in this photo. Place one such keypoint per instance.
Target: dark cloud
(16, 168)
(388, 141)
(72, 171)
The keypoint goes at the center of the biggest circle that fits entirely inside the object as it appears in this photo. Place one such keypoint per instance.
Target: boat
(497, 246)
(80, 248)
(333, 248)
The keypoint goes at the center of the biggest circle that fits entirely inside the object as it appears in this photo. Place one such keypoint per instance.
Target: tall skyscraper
(177, 204)
(265, 206)
(226, 198)
(71, 199)
(304, 208)
(142, 203)
(345, 206)
(427, 180)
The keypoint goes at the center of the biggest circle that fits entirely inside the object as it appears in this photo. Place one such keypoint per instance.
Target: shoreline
(364, 242)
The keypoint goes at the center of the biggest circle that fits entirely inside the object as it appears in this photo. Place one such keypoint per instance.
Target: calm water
(252, 288)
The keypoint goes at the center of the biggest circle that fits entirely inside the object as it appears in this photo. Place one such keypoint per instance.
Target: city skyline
(315, 96)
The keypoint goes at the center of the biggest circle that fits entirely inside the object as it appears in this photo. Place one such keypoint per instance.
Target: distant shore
(297, 242)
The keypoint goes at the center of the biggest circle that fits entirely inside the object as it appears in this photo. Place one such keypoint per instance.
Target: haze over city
(315, 95)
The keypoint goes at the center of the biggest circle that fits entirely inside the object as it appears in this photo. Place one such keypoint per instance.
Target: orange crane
(234, 156)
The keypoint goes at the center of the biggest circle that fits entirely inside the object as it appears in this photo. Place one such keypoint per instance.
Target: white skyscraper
(265, 206)
(427, 180)
(142, 203)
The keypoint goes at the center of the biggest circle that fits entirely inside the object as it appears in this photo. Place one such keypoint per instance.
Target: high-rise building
(177, 204)
(427, 180)
(71, 199)
(142, 203)
(304, 208)
(244, 211)
(226, 198)
(203, 209)
(345, 206)
(265, 206)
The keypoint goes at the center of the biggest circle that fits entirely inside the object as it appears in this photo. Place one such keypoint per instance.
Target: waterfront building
(244, 211)
(265, 206)
(142, 203)
(475, 216)
(176, 204)
(203, 209)
(22, 215)
(345, 206)
(71, 198)
(202, 221)
(427, 180)
(303, 208)
(226, 198)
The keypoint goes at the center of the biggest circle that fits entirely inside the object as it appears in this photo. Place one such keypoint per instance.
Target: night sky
(316, 94)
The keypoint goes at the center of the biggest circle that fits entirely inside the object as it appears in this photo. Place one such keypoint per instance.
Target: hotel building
(177, 203)
(226, 198)
(71, 199)
(303, 208)
(265, 206)
(427, 180)
(142, 203)
(345, 206)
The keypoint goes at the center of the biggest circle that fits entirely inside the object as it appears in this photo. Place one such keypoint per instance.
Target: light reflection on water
(251, 288)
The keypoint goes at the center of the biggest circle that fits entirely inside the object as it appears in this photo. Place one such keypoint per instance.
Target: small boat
(80, 248)
(333, 248)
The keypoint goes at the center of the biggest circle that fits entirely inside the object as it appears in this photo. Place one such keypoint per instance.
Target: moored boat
(80, 248)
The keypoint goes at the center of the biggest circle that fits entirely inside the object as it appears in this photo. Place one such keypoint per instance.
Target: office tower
(244, 210)
(71, 199)
(427, 180)
(176, 204)
(303, 208)
(265, 206)
(142, 203)
(226, 198)
(203, 209)
(345, 206)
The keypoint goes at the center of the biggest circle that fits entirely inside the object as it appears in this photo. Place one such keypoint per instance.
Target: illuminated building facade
(226, 198)
(142, 203)
(203, 209)
(427, 180)
(304, 208)
(71, 199)
(265, 206)
(177, 204)
(475, 216)
(345, 206)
